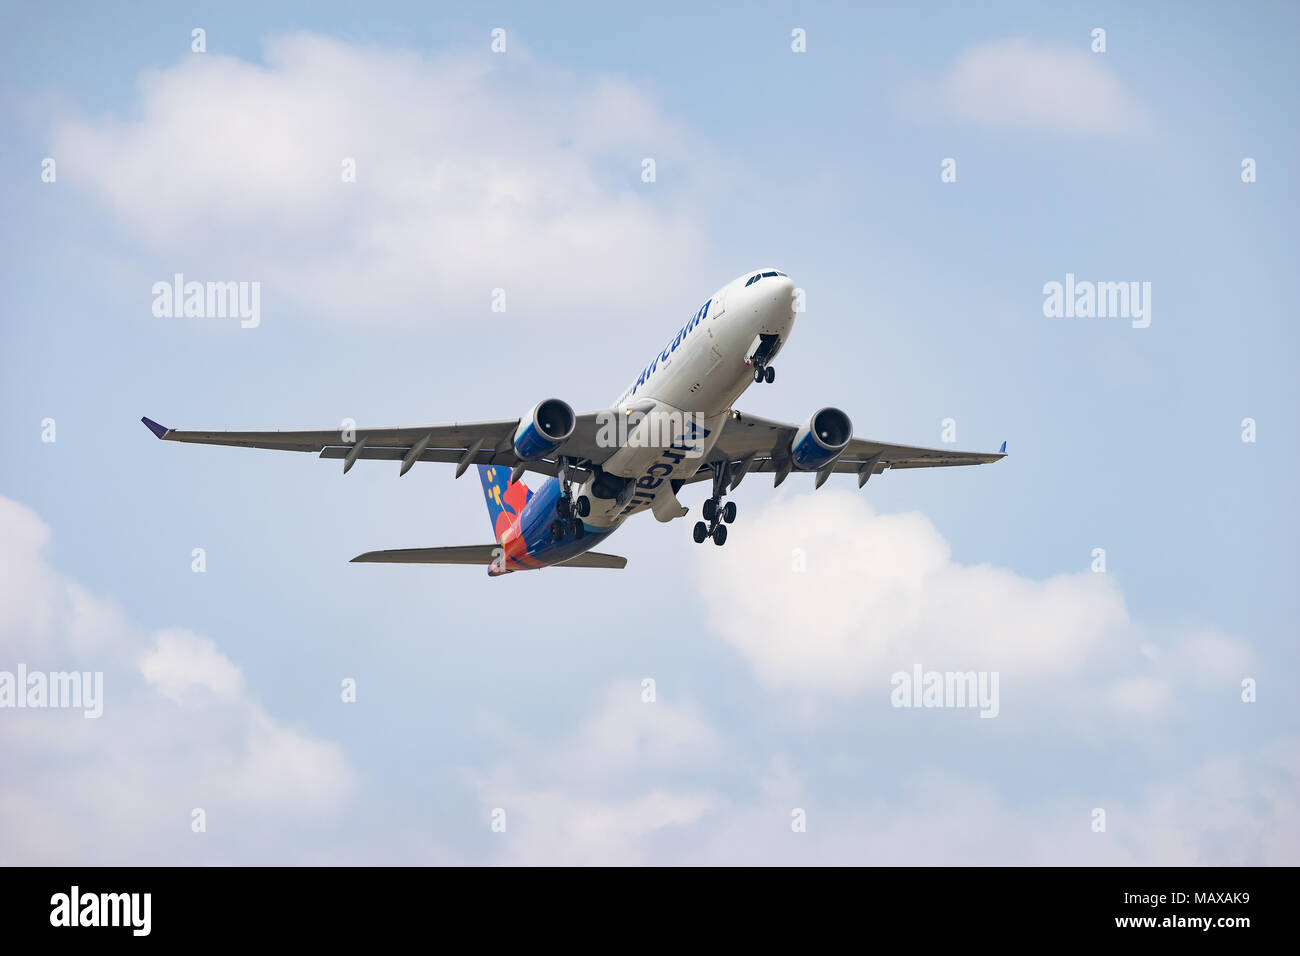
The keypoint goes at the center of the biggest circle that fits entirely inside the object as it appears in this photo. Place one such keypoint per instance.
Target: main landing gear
(569, 512)
(715, 512)
(764, 373)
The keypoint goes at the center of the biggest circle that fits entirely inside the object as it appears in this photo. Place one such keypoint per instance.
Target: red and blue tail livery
(505, 498)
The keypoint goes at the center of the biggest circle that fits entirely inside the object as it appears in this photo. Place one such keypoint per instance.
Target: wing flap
(768, 441)
(452, 456)
(490, 441)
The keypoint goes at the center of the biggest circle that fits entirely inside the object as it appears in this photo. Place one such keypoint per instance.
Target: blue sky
(522, 170)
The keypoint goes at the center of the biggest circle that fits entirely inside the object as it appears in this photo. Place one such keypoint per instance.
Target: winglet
(1001, 451)
(159, 430)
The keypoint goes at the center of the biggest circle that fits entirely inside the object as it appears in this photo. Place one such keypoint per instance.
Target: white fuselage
(695, 380)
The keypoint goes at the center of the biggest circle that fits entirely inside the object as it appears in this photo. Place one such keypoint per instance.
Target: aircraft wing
(461, 443)
(750, 443)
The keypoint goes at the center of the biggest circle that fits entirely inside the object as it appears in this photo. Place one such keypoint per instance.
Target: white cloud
(673, 790)
(180, 662)
(178, 731)
(1227, 811)
(605, 792)
(1143, 697)
(633, 782)
(475, 173)
(881, 594)
(1018, 83)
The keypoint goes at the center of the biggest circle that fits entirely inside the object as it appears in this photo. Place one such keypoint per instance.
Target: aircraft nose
(779, 297)
(768, 299)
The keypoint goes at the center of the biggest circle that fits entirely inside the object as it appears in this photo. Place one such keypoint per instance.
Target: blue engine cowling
(548, 426)
(822, 440)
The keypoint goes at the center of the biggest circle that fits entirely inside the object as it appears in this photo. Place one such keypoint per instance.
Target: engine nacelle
(548, 426)
(822, 440)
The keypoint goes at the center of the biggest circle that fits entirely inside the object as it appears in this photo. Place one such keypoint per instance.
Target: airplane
(675, 425)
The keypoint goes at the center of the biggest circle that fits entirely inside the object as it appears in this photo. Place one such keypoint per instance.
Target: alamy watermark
(127, 910)
(944, 689)
(684, 431)
(1098, 300)
(64, 690)
(208, 300)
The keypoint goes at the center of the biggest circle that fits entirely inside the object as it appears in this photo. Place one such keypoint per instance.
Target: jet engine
(548, 426)
(822, 440)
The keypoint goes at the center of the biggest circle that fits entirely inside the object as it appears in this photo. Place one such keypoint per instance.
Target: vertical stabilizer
(505, 501)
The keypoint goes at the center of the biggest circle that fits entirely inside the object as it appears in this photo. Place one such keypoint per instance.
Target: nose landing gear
(716, 515)
(761, 351)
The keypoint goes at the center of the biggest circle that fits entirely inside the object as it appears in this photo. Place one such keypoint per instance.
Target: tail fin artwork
(505, 501)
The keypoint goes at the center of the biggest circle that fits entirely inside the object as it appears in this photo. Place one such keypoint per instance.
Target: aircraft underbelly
(697, 385)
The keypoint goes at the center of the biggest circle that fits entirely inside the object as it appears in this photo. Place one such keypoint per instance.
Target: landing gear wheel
(769, 375)
(579, 529)
(729, 512)
(701, 532)
(562, 509)
(710, 509)
(720, 535)
(584, 506)
(557, 529)
(758, 374)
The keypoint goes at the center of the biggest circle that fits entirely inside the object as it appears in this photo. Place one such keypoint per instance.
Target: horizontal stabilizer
(458, 554)
(595, 559)
(480, 554)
